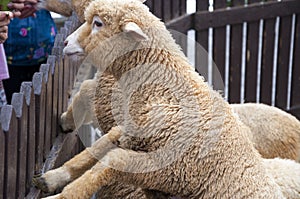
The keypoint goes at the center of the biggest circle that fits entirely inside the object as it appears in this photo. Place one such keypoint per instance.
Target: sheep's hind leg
(58, 178)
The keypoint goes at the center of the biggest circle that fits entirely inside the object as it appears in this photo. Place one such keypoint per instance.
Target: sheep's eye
(97, 24)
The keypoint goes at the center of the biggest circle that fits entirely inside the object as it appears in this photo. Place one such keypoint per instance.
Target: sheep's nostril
(66, 42)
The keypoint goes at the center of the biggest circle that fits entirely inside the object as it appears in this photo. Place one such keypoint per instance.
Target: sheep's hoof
(65, 126)
(40, 182)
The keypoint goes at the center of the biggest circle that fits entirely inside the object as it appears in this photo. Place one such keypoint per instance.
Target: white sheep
(274, 133)
(175, 134)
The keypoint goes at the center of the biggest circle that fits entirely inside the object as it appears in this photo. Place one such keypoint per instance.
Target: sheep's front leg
(80, 111)
(58, 178)
(106, 171)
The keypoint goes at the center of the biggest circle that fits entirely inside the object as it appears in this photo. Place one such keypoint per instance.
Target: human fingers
(28, 12)
(3, 33)
(15, 6)
(5, 17)
(32, 2)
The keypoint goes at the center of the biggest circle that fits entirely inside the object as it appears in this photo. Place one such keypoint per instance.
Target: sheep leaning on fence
(174, 134)
(274, 132)
(278, 139)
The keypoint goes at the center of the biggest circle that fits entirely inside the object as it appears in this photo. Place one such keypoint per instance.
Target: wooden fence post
(20, 108)
(26, 89)
(39, 92)
(9, 124)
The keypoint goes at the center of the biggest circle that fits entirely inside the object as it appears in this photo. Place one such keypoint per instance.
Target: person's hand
(5, 17)
(23, 8)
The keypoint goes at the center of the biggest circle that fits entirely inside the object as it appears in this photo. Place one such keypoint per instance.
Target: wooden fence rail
(255, 45)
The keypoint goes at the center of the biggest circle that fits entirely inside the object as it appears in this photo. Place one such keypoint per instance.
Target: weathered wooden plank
(175, 8)
(53, 62)
(10, 127)
(182, 24)
(183, 5)
(220, 4)
(252, 62)
(267, 62)
(295, 97)
(201, 62)
(250, 13)
(149, 3)
(236, 50)
(39, 92)
(60, 83)
(47, 79)
(237, 3)
(2, 162)
(20, 108)
(219, 50)
(254, 1)
(283, 62)
(26, 89)
(235, 64)
(167, 12)
(157, 8)
(66, 81)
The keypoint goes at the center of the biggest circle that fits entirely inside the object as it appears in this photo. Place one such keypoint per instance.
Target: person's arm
(23, 8)
(5, 17)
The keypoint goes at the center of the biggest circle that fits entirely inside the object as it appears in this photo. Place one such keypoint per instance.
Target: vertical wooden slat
(158, 8)
(295, 97)
(66, 88)
(18, 103)
(219, 49)
(183, 5)
(167, 12)
(44, 69)
(267, 62)
(175, 8)
(26, 89)
(236, 48)
(149, 3)
(283, 62)
(39, 92)
(235, 64)
(251, 63)
(252, 59)
(201, 62)
(10, 127)
(254, 1)
(60, 84)
(53, 62)
(2, 162)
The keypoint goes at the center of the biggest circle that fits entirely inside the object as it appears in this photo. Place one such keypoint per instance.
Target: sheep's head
(108, 18)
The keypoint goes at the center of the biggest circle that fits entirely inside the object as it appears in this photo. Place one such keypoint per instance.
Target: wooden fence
(255, 45)
(30, 124)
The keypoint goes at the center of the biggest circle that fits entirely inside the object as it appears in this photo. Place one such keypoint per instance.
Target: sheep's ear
(135, 31)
